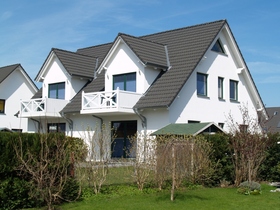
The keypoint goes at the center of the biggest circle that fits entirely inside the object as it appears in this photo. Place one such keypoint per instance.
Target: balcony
(112, 102)
(42, 107)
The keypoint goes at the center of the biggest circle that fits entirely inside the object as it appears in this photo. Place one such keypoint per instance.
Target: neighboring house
(194, 74)
(273, 123)
(15, 85)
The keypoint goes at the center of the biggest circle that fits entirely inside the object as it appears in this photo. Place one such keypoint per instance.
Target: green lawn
(202, 198)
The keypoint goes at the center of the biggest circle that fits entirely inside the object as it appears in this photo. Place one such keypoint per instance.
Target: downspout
(144, 125)
(39, 124)
(70, 122)
(101, 121)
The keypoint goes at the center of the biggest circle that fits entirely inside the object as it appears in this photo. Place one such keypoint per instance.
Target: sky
(29, 29)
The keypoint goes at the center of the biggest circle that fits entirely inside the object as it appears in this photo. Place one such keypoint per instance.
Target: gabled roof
(75, 64)
(185, 48)
(273, 123)
(149, 52)
(188, 129)
(7, 70)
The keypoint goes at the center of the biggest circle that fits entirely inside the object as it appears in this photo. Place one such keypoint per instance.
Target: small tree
(182, 158)
(249, 145)
(97, 167)
(143, 146)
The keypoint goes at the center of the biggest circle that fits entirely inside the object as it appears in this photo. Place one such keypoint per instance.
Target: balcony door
(121, 146)
(125, 82)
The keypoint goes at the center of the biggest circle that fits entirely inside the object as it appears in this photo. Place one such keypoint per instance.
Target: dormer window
(218, 47)
(125, 82)
(57, 90)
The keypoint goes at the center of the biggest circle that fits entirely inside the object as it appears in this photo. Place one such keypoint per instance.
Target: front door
(121, 146)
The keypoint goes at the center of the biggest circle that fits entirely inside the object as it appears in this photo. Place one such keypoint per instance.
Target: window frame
(220, 87)
(56, 90)
(125, 81)
(58, 127)
(235, 83)
(205, 84)
(218, 47)
(4, 103)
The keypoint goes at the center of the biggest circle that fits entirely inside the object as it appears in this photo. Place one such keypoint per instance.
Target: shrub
(248, 188)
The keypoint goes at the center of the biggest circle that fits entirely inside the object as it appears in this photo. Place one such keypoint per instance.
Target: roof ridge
(16, 64)
(95, 46)
(73, 52)
(186, 27)
(137, 37)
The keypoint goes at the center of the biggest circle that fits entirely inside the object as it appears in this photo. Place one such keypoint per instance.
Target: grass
(202, 198)
(121, 194)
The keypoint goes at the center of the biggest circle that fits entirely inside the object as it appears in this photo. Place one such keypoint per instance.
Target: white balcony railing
(109, 101)
(39, 107)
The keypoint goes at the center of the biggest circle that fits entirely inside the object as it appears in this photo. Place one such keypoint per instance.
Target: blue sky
(30, 28)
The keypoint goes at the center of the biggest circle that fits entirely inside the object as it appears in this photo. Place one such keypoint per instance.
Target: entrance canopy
(189, 129)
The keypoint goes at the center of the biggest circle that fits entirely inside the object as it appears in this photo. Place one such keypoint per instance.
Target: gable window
(233, 90)
(2, 106)
(125, 82)
(218, 47)
(57, 90)
(201, 83)
(220, 87)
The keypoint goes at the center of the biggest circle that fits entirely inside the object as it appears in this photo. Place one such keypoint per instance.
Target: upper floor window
(57, 90)
(201, 83)
(125, 82)
(233, 90)
(218, 47)
(220, 87)
(2, 106)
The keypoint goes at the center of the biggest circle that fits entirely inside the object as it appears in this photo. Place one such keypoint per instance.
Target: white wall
(123, 61)
(189, 106)
(13, 89)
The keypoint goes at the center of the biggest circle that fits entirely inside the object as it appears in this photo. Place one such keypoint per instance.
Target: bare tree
(143, 146)
(46, 167)
(96, 168)
(182, 158)
(249, 145)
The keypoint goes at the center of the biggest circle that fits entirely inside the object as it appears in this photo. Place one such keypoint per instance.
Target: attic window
(218, 47)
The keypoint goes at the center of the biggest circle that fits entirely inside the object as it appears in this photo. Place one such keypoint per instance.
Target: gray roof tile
(6, 71)
(76, 64)
(149, 52)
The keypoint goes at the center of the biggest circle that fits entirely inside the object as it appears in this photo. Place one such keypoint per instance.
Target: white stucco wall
(189, 106)
(124, 61)
(14, 89)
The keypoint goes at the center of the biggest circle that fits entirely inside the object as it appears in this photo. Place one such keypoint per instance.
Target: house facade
(141, 84)
(15, 85)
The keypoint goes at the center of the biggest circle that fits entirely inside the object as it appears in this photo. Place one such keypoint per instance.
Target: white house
(15, 84)
(187, 75)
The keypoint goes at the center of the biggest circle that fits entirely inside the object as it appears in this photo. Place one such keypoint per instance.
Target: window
(2, 106)
(56, 127)
(57, 90)
(125, 82)
(193, 121)
(218, 47)
(201, 84)
(221, 125)
(220, 87)
(233, 87)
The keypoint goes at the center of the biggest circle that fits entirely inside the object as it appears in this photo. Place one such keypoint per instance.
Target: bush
(248, 188)
(14, 194)
(71, 190)
(221, 158)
